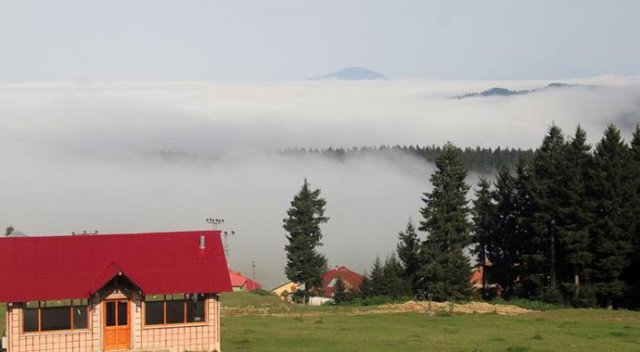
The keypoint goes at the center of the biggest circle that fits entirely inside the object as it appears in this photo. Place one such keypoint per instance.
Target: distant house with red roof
(240, 282)
(478, 277)
(151, 291)
(351, 279)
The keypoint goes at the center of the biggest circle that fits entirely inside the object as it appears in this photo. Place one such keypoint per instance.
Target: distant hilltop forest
(505, 92)
(480, 160)
(485, 161)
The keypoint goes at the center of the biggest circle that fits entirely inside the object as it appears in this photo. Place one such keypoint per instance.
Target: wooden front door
(116, 325)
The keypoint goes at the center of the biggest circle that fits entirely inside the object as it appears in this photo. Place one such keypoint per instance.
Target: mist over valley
(130, 156)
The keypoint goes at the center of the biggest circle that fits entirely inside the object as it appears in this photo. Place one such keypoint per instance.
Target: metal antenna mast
(215, 222)
(226, 240)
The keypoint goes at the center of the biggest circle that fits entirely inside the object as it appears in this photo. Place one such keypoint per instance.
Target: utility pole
(226, 240)
(253, 268)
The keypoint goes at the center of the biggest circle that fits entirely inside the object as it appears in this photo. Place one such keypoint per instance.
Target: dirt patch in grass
(433, 308)
(466, 308)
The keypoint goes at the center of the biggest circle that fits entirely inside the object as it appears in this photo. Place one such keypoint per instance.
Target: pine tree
(530, 244)
(547, 168)
(574, 219)
(483, 217)
(304, 263)
(339, 291)
(408, 250)
(445, 269)
(364, 291)
(613, 230)
(395, 285)
(377, 278)
(504, 246)
(633, 273)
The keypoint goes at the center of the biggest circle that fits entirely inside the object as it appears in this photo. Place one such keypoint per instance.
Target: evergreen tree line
(480, 160)
(562, 226)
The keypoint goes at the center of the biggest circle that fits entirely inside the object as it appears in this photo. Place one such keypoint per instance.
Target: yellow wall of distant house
(288, 287)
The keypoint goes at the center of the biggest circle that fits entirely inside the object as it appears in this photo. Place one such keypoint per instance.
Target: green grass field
(351, 329)
(2, 317)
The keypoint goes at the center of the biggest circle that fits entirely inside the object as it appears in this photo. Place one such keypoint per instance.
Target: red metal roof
(351, 279)
(62, 267)
(253, 285)
(239, 280)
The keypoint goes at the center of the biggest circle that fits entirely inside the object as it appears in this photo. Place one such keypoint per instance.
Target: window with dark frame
(70, 314)
(174, 309)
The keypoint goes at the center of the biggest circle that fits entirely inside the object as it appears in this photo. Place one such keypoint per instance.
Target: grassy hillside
(241, 299)
(352, 329)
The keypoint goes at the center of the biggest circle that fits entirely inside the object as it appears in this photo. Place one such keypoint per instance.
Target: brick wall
(176, 338)
(84, 340)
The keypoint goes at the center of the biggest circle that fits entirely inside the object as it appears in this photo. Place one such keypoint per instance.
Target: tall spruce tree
(547, 167)
(530, 245)
(377, 278)
(633, 273)
(575, 217)
(408, 250)
(445, 269)
(339, 291)
(394, 283)
(304, 263)
(364, 291)
(612, 231)
(483, 217)
(503, 248)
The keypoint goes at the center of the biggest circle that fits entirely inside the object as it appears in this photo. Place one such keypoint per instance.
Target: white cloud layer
(80, 156)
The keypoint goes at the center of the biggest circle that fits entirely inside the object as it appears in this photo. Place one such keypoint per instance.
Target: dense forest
(480, 160)
(563, 226)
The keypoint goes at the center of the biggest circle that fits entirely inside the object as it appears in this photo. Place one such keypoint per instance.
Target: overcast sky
(291, 39)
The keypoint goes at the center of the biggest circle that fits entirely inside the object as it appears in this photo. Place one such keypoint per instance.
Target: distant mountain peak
(354, 74)
(560, 85)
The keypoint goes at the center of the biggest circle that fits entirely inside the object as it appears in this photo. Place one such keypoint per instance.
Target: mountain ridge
(505, 92)
(353, 73)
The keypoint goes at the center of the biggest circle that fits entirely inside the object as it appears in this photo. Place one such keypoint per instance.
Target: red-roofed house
(152, 291)
(241, 283)
(478, 276)
(350, 278)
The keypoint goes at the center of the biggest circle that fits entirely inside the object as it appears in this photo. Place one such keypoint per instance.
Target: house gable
(351, 279)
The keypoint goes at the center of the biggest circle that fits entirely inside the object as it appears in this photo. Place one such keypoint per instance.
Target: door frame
(104, 323)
